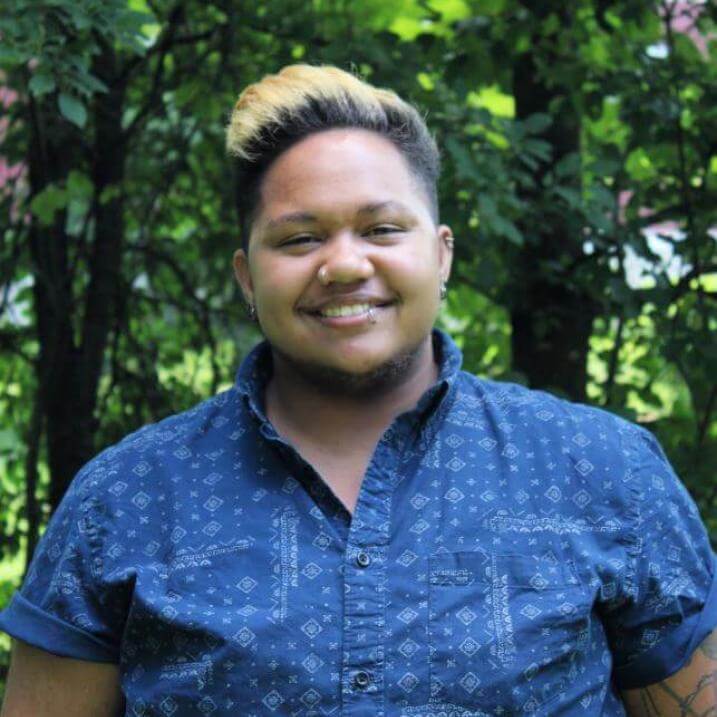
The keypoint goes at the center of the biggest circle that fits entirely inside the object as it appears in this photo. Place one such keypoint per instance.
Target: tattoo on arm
(691, 692)
(648, 704)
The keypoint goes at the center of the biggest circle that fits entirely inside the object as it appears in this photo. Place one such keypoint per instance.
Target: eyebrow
(306, 218)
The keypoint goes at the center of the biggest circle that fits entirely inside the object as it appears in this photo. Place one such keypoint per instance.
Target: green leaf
(41, 83)
(76, 216)
(109, 193)
(10, 56)
(538, 148)
(79, 185)
(50, 200)
(9, 440)
(465, 166)
(507, 229)
(91, 84)
(572, 196)
(568, 166)
(72, 109)
(537, 123)
(494, 100)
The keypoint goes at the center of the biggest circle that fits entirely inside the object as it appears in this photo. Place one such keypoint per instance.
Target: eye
(384, 229)
(299, 240)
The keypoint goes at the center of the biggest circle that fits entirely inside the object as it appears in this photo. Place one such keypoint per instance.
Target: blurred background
(579, 142)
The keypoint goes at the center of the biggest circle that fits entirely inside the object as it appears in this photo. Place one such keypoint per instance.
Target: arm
(44, 685)
(689, 692)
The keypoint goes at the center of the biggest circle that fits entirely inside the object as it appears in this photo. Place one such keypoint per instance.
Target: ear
(445, 250)
(240, 262)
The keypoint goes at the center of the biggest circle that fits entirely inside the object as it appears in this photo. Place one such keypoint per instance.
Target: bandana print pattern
(509, 553)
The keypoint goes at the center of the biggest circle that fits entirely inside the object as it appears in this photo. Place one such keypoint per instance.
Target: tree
(118, 306)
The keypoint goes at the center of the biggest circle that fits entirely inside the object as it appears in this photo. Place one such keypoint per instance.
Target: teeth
(353, 310)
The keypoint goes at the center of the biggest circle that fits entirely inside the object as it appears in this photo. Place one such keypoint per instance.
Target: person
(357, 526)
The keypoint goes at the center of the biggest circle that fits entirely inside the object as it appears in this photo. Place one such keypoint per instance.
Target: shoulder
(173, 439)
(591, 455)
(527, 410)
(122, 500)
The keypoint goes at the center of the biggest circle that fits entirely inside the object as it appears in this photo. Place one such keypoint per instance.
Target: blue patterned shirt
(510, 553)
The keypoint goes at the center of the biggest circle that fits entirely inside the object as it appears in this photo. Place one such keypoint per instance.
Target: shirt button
(363, 559)
(361, 680)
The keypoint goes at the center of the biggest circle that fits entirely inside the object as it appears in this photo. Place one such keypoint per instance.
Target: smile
(350, 310)
(350, 315)
(358, 307)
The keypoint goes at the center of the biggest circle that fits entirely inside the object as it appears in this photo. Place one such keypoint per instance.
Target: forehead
(339, 169)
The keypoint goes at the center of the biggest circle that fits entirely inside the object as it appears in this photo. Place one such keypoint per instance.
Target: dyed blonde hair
(273, 114)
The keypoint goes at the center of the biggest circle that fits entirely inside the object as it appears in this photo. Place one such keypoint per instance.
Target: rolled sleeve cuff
(27, 622)
(674, 651)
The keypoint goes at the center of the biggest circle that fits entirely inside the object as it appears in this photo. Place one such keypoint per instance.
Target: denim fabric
(510, 553)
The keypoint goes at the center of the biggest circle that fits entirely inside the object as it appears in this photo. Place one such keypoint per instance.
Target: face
(344, 262)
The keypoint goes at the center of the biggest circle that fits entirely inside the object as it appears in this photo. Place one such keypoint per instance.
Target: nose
(345, 260)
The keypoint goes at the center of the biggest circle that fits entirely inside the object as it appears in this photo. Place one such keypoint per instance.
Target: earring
(444, 290)
(251, 309)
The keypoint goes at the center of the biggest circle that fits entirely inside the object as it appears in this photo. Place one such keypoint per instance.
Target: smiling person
(357, 526)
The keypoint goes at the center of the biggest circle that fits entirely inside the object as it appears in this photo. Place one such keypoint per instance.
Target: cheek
(415, 273)
(278, 286)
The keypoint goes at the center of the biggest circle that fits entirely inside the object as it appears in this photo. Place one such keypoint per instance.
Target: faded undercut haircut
(273, 114)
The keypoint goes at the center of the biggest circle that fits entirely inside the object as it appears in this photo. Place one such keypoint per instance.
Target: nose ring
(323, 279)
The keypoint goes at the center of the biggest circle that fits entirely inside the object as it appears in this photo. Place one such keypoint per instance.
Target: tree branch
(203, 316)
(175, 17)
(707, 417)
(614, 355)
(34, 438)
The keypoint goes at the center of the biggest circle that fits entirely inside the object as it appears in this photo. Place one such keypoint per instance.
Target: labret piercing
(371, 315)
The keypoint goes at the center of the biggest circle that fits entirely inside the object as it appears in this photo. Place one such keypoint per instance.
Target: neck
(299, 406)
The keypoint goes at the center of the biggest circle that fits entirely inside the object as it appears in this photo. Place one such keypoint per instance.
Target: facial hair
(331, 381)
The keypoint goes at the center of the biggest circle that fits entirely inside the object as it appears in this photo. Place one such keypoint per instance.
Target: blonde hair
(281, 109)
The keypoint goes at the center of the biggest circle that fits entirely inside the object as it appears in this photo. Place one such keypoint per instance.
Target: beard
(336, 382)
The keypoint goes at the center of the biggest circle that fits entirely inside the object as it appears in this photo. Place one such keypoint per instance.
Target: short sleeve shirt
(510, 553)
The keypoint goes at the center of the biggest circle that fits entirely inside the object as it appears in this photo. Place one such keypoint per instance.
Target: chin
(359, 363)
(355, 377)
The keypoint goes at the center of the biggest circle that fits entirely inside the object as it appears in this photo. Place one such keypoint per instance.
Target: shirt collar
(256, 368)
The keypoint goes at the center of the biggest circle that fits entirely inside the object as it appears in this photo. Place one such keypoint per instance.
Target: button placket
(365, 595)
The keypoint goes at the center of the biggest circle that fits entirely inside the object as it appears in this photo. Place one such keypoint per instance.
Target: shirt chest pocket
(210, 576)
(507, 632)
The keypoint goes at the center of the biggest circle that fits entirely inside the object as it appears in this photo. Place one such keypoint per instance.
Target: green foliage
(642, 97)
(56, 41)
(482, 331)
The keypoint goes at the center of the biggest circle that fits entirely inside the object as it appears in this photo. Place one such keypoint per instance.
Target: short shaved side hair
(280, 110)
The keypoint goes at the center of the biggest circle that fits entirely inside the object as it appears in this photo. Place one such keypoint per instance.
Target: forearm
(689, 692)
(40, 684)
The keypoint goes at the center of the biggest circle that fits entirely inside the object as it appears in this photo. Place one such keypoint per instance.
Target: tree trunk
(55, 148)
(73, 330)
(551, 316)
